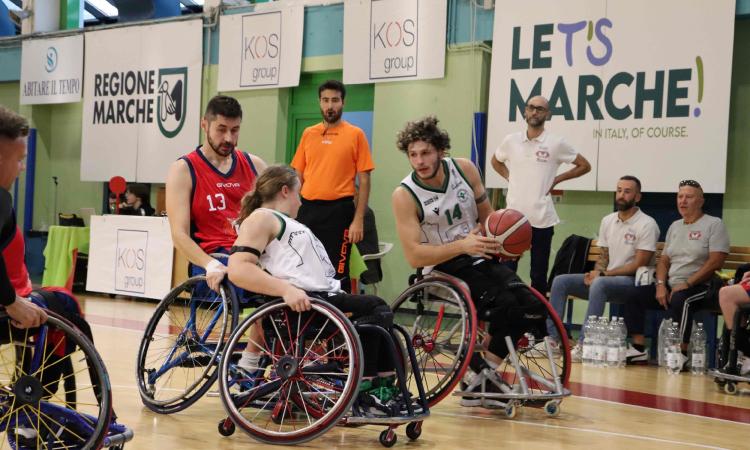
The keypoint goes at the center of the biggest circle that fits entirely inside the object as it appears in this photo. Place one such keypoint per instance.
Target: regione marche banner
(51, 70)
(394, 40)
(141, 100)
(638, 87)
(261, 50)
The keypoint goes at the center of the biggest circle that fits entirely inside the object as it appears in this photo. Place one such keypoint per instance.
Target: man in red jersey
(205, 189)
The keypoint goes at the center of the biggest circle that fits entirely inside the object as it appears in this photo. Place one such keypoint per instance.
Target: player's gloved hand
(215, 272)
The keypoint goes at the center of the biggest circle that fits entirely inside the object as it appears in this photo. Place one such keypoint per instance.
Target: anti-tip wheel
(730, 388)
(226, 427)
(388, 438)
(552, 408)
(414, 430)
(511, 410)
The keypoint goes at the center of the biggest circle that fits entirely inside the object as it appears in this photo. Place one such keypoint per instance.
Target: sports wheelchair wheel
(178, 356)
(55, 390)
(308, 377)
(439, 315)
(530, 350)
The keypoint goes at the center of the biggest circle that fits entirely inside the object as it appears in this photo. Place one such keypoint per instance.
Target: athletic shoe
(490, 387)
(745, 365)
(576, 353)
(634, 356)
(539, 350)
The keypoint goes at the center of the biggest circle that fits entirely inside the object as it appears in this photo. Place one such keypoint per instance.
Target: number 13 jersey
(216, 198)
(448, 213)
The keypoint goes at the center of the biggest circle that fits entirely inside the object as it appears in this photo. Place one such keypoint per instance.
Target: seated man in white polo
(627, 238)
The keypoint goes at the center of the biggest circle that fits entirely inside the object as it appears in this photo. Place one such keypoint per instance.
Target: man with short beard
(205, 189)
(329, 157)
(627, 238)
(529, 160)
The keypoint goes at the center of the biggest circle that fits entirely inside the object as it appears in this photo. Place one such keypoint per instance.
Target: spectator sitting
(696, 246)
(627, 238)
(136, 201)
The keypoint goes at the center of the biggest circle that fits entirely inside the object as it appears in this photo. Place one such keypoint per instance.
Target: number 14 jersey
(448, 213)
(216, 198)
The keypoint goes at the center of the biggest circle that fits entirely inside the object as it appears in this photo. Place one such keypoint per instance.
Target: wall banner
(394, 40)
(52, 70)
(130, 255)
(638, 87)
(141, 100)
(261, 50)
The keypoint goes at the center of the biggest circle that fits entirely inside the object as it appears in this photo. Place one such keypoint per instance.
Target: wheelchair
(438, 311)
(180, 350)
(35, 413)
(309, 376)
(727, 375)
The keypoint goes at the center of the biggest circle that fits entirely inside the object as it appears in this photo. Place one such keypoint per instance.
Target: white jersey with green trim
(448, 213)
(297, 256)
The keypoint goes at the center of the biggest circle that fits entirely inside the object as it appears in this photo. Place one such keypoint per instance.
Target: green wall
(454, 99)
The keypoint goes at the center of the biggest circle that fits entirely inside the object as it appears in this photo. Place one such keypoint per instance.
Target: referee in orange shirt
(329, 157)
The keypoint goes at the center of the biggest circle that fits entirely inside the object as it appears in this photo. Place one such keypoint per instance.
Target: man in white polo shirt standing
(529, 161)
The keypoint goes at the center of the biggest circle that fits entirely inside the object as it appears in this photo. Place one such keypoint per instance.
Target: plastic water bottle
(672, 343)
(622, 331)
(613, 343)
(588, 341)
(698, 350)
(661, 346)
(600, 342)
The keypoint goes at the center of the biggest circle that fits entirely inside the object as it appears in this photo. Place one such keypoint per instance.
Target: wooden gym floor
(614, 408)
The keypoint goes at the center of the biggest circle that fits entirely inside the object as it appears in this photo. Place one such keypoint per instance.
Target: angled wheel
(178, 356)
(40, 370)
(307, 378)
(531, 354)
(440, 317)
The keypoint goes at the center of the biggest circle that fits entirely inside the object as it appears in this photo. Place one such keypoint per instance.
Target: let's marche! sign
(632, 92)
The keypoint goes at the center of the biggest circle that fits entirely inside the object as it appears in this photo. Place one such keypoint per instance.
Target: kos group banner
(141, 100)
(638, 88)
(51, 70)
(261, 50)
(130, 255)
(394, 40)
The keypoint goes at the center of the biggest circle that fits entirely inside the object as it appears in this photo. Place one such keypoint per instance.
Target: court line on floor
(585, 430)
(696, 408)
(678, 405)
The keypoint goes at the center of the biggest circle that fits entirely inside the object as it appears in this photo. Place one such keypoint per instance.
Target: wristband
(215, 266)
(660, 282)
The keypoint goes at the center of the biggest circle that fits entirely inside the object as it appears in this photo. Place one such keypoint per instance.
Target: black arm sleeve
(7, 222)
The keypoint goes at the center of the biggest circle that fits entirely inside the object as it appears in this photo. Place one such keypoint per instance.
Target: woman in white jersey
(295, 265)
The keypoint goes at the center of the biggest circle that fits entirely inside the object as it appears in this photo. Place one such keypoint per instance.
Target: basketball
(511, 229)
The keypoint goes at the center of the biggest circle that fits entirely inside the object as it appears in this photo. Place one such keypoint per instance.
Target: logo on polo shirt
(629, 238)
(694, 235)
(542, 155)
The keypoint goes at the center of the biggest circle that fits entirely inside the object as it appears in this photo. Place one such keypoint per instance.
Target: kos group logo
(51, 60)
(394, 38)
(261, 49)
(171, 104)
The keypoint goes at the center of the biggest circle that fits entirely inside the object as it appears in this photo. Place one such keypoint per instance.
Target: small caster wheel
(730, 388)
(388, 438)
(414, 430)
(226, 427)
(511, 410)
(552, 408)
